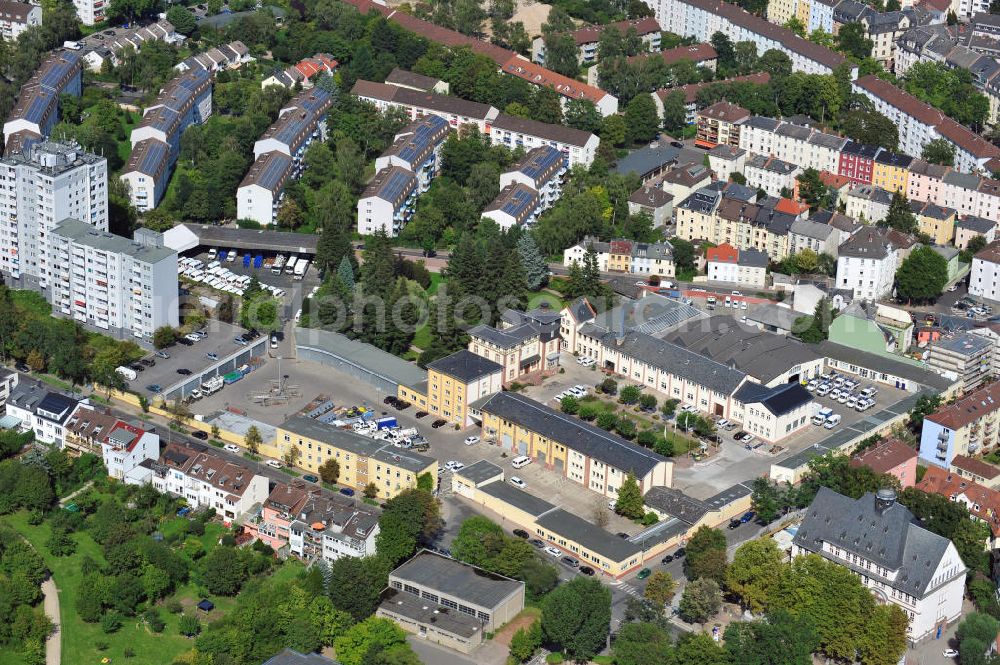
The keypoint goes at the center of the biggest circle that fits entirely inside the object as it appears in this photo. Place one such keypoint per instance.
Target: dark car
(184, 371)
(734, 523)
(137, 367)
(440, 422)
(419, 414)
(185, 341)
(644, 573)
(21, 367)
(154, 388)
(534, 542)
(677, 144)
(585, 570)
(148, 362)
(622, 534)
(747, 517)
(679, 554)
(347, 491)
(739, 435)
(667, 559)
(521, 533)
(389, 400)
(310, 478)
(402, 405)
(570, 561)
(200, 435)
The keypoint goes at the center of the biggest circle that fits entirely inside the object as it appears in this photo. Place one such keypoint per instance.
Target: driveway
(53, 645)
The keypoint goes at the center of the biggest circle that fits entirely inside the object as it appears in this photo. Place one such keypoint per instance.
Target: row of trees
(21, 573)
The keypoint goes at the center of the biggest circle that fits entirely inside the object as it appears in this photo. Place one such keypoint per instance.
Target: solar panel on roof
(314, 101)
(39, 105)
(56, 71)
(540, 160)
(396, 185)
(519, 201)
(274, 170)
(153, 155)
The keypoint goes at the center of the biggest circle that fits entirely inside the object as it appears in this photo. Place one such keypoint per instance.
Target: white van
(520, 461)
(821, 416)
(832, 421)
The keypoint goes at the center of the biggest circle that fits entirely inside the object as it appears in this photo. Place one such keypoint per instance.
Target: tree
(355, 584)
(796, 25)
(641, 120)
(182, 19)
(164, 336)
(780, 637)
(852, 41)
(725, 51)
(629, 503)
(660, 588)
(641, 644)
(812, 190)
(900, 215)
(974, 246)
(224, 571)
(292, 455)
(329, 471)
(525, 642)
(536, 270)
(815, 328)
(290, 215)
(684, 255)
(922, 275)
(374, 634)
(674, 112)
(754, 572)
(700, 601)
(768, 500)
(703, 555)
(253, 439)
(576, 617)
(939, 151)
(370, 490)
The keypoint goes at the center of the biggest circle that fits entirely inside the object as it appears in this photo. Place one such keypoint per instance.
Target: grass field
(31, 301)
(80, 640)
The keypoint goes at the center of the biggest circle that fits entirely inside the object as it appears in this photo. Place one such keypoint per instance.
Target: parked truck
(300, 269)
(385, 423)
(127, 373)
(212, 385)
(278, 265)
(290, 266)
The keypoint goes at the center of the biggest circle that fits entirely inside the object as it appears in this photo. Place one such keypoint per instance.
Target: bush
(111, 622)
(607, 420)
(647, 402)
(609, 386)
(196, 528)
(228, 540)
(153, 619)
(646, 438)
(588, 412)
(630, 394)
(188, 625)
(569, 404)
(174, 607)
(650, 518)
(35, 517)
(626, 428)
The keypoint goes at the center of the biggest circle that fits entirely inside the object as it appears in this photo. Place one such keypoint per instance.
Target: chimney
(884, 499)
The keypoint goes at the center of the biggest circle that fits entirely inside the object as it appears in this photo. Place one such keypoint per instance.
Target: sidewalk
(53, 645)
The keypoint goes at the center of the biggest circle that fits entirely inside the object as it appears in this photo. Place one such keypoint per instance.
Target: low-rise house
(572, 317)
(976, 470)
(890, 456)
(747, 267)
(42, 411)
(626, 256)
(983, 503)
(873, 327)
(654, 202)
(867, 264)
(936, 221)
(448, 602)
(966, 427)
(970, 226)
(897, 559)
(204, 480)
(404, 79)
(771, 174)
(813, 235)
(725, 160)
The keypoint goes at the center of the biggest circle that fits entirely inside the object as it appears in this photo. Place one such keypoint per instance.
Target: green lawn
(436, 281)
(79, 639)
(422, 338)
(31, 301)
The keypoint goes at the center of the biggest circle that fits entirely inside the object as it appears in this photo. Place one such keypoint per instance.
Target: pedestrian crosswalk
(627, 588)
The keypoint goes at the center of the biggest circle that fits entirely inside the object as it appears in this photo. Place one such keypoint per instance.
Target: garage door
(506, 441)
(522, 447)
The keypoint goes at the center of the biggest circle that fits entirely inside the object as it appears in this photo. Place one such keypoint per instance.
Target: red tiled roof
(790, 207)
(885, 456)
(975, 466)
(621, 247)
(695, 53)
(724, 253)
(592, 33)
(834, 180)
(984, 503)
(971, 407)
(724, 111)
(565, 86)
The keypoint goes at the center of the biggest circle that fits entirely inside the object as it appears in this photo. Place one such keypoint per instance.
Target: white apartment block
(867, 263)
(113, 284)
(125, 447)
(578, 146)
(37, 108)
(91, 11)
(204, 480)
(42, 411)
(39, 188)
(799, 145)
(702, 18)
(16, 17)
(984, 279)
(900, 562)
(388, 202)
(457, 112)
(771, 174)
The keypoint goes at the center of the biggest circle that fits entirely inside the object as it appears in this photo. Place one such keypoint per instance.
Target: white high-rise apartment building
(39, 187)
(111, 283)
(91, 11)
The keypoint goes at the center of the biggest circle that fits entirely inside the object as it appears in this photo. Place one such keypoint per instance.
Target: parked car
(154, 388)
(667, 559)
(521, 533)
(274, 341)
(273, 463)
(747, 517)
(402, 405)
(517, 482)
(679, 553)
(454, 465)
(535, 542)
(950, 653)
(570, 561)
(310, 478)
(734, 523)
(184, 371)
(148, 362)
(211, 356)
(644, 573)
(347, 491)
(440, 422)
(389, 400)
(198, 434)
(420, 414)
(231, 447)
(585, 570)
(191, 337)
(553, 551)
(470, 440)
(22, 367)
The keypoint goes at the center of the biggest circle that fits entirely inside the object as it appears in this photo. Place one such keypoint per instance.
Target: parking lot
(193, 358)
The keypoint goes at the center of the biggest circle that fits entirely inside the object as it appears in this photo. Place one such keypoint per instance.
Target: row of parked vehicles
(280, 264)
(220, 277)
(844, 390)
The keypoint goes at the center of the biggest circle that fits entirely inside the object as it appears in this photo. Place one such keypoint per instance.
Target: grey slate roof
(457, 579)
(778, 400)
(571, 432)
(812, 229)
(979, 225)
(465, 366)
(753, 258)
(882, 363)
(479, 471)
(581, 310)
(590, 536)
(868, 243)
(774, 315)
(527, 503)
(674, 502)
(889, 537)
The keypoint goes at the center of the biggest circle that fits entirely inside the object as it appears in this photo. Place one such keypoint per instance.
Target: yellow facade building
(570, 447)
(891, 171)
(454, 382)
(936, 221)
(362, 460)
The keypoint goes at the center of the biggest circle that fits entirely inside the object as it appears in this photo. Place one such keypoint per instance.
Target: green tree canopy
(922, 275)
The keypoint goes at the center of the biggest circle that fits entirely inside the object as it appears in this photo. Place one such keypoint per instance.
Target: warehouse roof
(446, 575)
(357, 444)
(592, 537)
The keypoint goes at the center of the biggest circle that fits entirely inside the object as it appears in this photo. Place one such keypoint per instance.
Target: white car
(743, 304)
(950, 653)
(454, 466)
(579, 388)
(274, 341)
(273, 463)
(233, 448)
(470, 440)
(553, 552)
(192, 337)
(517, 482)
